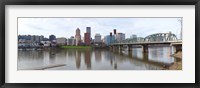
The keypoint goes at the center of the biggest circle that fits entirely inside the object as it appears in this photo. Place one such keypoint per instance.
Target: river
(96, 59)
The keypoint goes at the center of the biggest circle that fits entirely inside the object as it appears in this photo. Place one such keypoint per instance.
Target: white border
(187, 75)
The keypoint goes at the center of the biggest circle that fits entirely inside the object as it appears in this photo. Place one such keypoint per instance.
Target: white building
(61, 41)
(71, 41)
(120, 36)
(97, 38)
(27, 43)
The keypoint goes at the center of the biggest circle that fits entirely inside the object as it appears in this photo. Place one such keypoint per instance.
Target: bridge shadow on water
(151, 58)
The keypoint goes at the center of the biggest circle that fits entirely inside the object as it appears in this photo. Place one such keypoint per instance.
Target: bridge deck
(148, 43)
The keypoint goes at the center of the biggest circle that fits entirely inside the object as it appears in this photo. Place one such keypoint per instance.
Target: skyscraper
(78, 36)
(115, 33)
(87, 38)
(88, 30)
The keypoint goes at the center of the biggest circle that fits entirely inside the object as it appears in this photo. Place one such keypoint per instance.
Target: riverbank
(178, 54)
(177, 65)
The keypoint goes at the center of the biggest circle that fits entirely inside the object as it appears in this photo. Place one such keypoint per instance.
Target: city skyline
(66, 27)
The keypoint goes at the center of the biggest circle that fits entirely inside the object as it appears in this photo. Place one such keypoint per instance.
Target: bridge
(154, 39)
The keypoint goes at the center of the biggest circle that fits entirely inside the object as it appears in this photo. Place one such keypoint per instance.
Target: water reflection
(78, 59)
(97, 59)
(87, 58)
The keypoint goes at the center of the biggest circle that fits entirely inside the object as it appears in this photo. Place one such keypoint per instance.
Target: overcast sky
(66, 27)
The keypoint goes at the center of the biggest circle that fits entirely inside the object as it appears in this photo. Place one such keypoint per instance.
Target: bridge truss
(157, 37)
(160, 37)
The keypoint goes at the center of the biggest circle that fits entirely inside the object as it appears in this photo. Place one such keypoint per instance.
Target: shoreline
(177, 65)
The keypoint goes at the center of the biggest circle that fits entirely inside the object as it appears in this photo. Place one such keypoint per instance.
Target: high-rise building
(88, 30)
(97, 38)
(115, 31)
(87, 36)
(52, 37)
(108, 39)
(78, 36)
(120, 36)
(87, 39)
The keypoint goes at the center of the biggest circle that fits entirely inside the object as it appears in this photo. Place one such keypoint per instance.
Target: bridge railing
(129, 42)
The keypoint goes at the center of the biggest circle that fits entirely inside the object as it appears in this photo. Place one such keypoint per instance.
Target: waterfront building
(108, 39)
(87, 39)
(71, 41)
(37, 39)
(33, 38)
(41, 38)
(52, 37)
(23, 43)
(78, 36)
(97, 38)
(120, 37)
(26, 37)
(46, 43)
(61, 41)
(29, 41)
(45, 39)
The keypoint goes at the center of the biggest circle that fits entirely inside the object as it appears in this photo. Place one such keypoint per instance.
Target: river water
(96, 59)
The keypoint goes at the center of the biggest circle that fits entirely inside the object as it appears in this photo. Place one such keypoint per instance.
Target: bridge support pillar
(145, 56)
(110, 47)
(129, 47)
(173, 49)
(120, 48)
(130, 54)
(145, 48)
(176, 48)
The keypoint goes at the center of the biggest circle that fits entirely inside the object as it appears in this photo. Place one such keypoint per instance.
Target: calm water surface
(96, 59)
